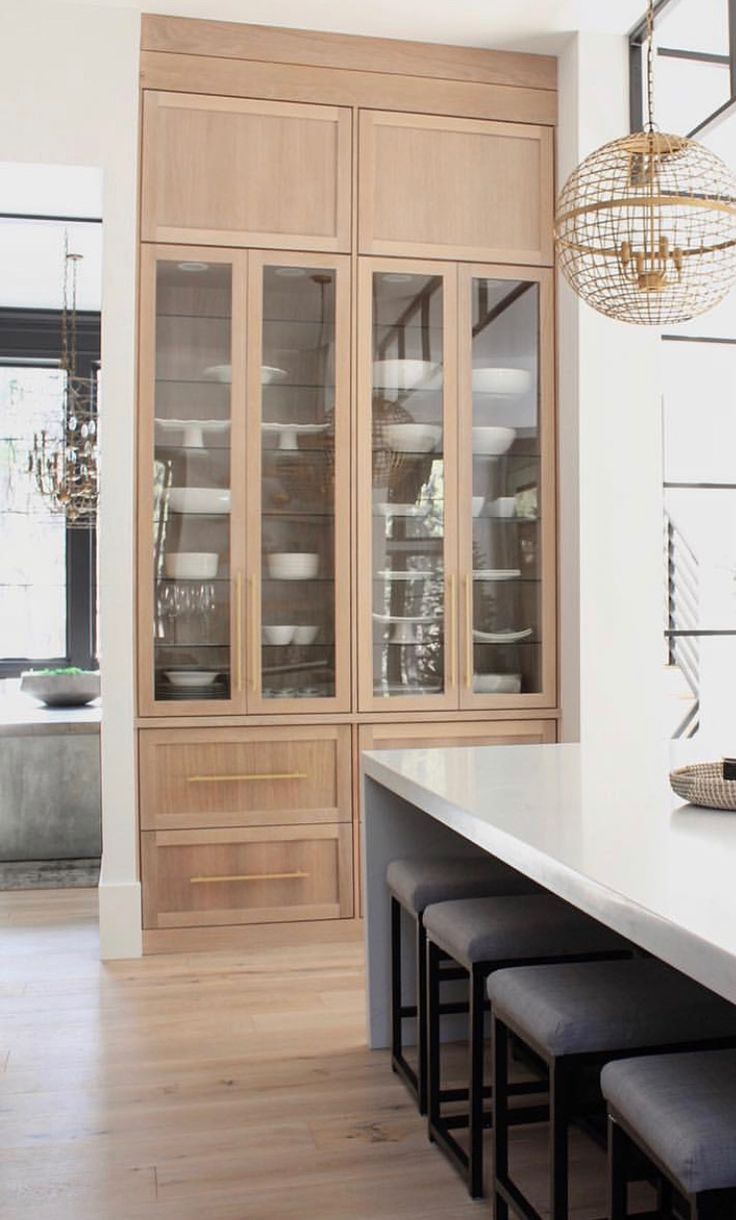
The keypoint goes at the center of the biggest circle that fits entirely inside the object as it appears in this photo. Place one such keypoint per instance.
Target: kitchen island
(602, 831)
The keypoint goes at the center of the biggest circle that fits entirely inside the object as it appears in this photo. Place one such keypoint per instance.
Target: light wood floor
(230, 1086)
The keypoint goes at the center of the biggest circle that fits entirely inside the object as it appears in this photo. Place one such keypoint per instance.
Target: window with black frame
(695, 84)
(48, 597)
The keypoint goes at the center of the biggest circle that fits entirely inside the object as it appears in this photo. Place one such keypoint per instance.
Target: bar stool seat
(413, 884)
(417, 883)
(607, 1006)
(531, 926)
(482, 935)
(681, 1111)
(578, 1018)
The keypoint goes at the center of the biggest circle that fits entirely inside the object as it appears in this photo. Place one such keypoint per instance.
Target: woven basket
(703, 784)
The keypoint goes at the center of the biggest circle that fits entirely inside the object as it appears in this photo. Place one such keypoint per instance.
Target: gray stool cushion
(683, 1107)
(608, 1006)
(417, 882)
(515, 928)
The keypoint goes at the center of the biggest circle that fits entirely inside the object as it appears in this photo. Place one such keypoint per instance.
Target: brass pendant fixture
(645, 227)
(64, 465)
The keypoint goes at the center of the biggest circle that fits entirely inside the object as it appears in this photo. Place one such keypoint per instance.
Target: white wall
(69, 95)
(610, 459)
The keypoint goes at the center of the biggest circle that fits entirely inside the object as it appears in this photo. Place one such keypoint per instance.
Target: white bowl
(277, 635)
(191, 565)
(501, 381)
(292, 565)
(492, 442)
(224, 373)
(504, 506)
(478, 502)
(413, 438)
(405, 374)
(305, 635)
(192, 678)
(199, 500)
(63, 689)
(497, 684)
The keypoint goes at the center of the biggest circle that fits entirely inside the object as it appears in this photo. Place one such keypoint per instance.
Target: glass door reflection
(303, 513)
(192, 481)
(502, 571)
(409, 491)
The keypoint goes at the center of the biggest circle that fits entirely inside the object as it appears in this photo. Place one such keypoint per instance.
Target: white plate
(192, 678)
(497, 684)
(496, 573)
(386, 574)
(407, 618)
(199, 500)
(224, 373)
(501, 382)
(406, 374)
(501, 637)
(193, 429)
(399, 688)
(401, 510)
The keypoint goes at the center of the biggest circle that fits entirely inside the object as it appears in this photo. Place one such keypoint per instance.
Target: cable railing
(683, 620)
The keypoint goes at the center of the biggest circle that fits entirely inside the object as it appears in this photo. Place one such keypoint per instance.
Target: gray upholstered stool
(680, 1111)
(414, 884)
(576, 1019)
(481, 935)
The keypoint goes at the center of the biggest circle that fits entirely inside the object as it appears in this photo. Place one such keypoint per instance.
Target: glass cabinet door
(507, 500)
(299, 504)
(190, 571)
(407, 455)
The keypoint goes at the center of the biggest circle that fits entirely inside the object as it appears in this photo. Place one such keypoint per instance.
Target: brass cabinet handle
(253, 632)
(239, 632)
(450, 629)
(468, 634)
(245, 776)
(248, 877)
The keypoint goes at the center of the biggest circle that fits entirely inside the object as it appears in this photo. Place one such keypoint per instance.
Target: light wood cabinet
(198, 778)
(271, 874)
(243, 172)
(346, 429)
(406, 736)
(444, 187)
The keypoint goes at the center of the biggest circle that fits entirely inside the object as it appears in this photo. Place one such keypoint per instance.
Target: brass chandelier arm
(599, 252)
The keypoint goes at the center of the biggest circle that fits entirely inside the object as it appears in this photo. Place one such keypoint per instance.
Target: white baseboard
(121, 934)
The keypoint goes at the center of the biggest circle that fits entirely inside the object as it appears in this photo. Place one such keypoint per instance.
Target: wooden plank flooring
(228, 1086)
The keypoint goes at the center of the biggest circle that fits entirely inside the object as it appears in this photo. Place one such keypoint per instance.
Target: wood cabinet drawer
(408, 736)
(228, 171)
(278, 873)
(244, 776)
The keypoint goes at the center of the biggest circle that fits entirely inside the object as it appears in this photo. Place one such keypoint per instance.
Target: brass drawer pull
(246, 776)
(249, 877)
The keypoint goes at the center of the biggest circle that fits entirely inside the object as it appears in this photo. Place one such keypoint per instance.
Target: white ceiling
(540, 26)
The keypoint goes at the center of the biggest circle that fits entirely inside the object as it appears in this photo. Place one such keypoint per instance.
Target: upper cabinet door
(455, 188)
(407, 485)
(507, 496)
(298, 475)
(191, 493)
(229, 171)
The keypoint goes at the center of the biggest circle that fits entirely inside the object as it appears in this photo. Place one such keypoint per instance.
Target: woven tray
(703, 784)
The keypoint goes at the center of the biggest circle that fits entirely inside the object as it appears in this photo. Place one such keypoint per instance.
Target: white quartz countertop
(602, 830)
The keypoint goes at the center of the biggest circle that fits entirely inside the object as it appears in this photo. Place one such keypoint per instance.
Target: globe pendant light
(645, 227)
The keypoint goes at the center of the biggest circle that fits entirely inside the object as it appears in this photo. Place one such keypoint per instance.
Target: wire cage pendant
(64, 465)
(645, 227)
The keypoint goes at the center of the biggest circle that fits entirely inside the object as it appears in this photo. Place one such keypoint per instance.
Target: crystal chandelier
(645, 227)
(65, 465)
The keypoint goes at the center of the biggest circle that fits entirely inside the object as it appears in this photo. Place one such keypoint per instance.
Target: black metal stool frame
(561, 1070)
(622, 1142)
(477, 1119)
(416, 1081)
